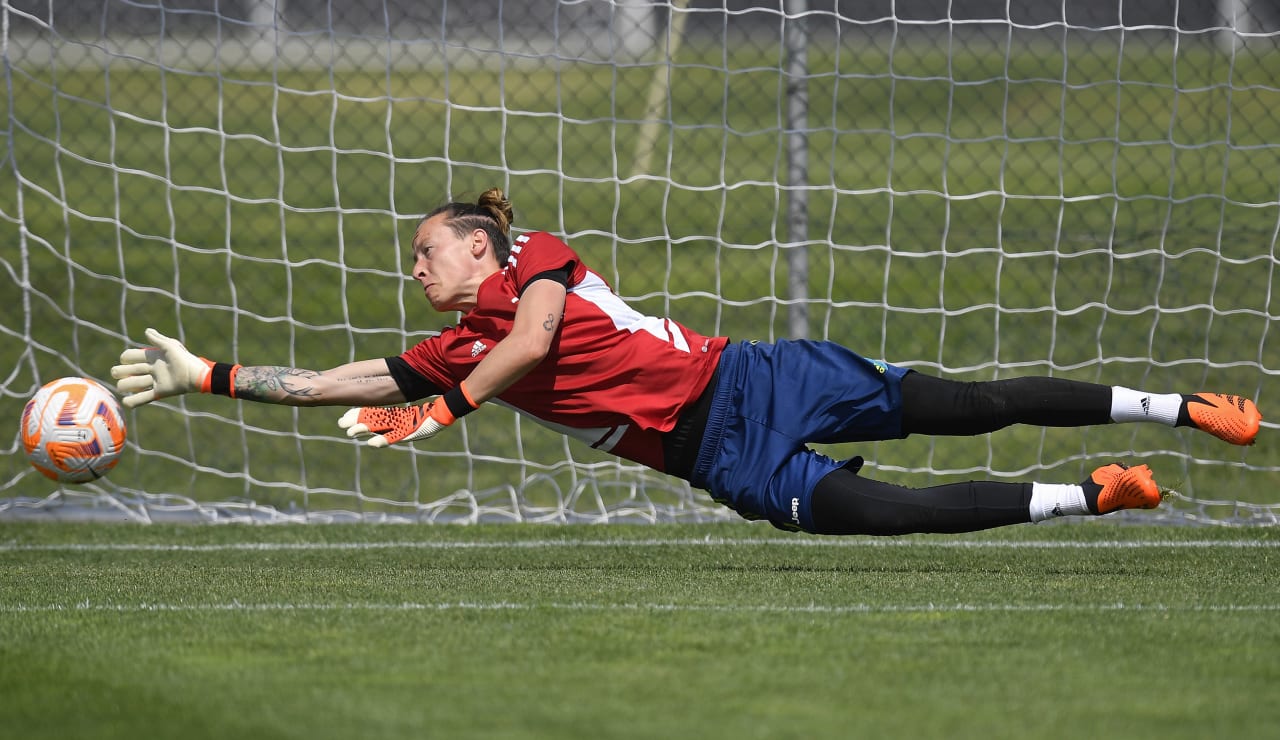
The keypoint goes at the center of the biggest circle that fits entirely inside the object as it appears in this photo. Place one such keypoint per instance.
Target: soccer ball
(73, 430)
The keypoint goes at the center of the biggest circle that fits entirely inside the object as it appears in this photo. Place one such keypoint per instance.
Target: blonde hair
(491, 212)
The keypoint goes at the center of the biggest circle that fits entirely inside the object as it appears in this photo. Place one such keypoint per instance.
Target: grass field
(1070, 630)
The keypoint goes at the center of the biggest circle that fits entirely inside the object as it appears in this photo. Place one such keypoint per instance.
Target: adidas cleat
(1118, 486)
(1233, 419)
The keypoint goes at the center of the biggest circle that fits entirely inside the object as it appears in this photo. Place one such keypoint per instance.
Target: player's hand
(389, 425)
(167, 369)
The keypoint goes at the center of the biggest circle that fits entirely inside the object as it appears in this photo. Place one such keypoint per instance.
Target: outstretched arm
(537, 319)
(360, 382)
(169, 369)
(538, 316)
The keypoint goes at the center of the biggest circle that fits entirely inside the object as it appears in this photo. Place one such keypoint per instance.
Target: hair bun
(494, 202)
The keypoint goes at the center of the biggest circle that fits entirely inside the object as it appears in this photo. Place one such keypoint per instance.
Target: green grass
(1069, 630)
(1094, 211)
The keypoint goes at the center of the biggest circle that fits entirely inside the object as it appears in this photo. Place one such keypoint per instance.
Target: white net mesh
(1057, 188)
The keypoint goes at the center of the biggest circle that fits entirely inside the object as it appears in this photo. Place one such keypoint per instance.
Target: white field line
(503, 606)
(643, 543)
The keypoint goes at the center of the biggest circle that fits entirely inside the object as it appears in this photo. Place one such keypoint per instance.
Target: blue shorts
(770, 402)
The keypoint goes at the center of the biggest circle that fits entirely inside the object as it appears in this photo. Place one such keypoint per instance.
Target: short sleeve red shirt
(614, 378)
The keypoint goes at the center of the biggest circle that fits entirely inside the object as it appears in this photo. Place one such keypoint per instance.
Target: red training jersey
(614, 378)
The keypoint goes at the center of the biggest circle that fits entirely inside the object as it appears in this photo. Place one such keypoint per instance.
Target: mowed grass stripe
(236, 606)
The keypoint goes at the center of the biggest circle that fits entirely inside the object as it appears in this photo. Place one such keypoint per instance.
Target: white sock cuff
(1130, 405)
(1050, 500)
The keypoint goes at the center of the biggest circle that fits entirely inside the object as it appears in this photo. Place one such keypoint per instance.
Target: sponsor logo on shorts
(795, 510)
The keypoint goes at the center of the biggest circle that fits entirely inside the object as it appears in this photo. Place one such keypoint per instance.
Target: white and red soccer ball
(73, 430)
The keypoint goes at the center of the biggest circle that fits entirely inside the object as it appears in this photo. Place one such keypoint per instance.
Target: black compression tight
(947, 407)
(847, 503)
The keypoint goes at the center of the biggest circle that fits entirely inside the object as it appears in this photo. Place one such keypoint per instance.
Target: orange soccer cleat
(1118, 486)
(1233, 419)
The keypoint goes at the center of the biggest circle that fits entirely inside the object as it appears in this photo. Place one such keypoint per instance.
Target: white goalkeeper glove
(168, 369)
(389, 425)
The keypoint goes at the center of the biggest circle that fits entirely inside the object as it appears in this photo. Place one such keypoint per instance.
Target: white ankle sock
(1049, 500)
(1130, 405)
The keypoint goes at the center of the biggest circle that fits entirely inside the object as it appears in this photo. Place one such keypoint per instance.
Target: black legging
(847, 503)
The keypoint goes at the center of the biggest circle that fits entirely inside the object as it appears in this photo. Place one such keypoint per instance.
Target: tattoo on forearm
(275, 383)
(362, 379)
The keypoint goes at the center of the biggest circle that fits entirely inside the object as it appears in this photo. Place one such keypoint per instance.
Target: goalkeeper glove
(389, 425)
(168, 369)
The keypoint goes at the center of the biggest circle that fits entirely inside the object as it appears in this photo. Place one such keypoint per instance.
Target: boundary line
(500, 606)
(643, 543)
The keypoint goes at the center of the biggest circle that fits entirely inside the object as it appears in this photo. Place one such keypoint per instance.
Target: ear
(479, 242)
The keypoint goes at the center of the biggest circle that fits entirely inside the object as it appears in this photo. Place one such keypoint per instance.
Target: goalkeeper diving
(542, 333)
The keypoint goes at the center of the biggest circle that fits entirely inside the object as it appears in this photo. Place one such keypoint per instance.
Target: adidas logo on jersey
(478, 347)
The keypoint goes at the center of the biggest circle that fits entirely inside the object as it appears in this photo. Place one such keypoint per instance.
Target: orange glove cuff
(221, 378)
(457, 403)
(439, 410)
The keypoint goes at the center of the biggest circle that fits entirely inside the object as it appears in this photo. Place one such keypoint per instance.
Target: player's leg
(847, 503)
(933, 405)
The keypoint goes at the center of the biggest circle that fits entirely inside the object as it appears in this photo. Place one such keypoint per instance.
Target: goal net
(980, 190)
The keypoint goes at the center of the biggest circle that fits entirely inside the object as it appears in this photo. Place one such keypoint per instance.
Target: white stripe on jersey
(593, 290)
(677, 336)
(611, 441)
(601, 438)
(516, 248)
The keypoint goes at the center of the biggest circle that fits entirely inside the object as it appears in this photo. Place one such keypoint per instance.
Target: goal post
(1081, 190)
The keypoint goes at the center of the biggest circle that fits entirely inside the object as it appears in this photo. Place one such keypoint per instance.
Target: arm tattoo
(550, 323)
(362, 379)
(274, 383)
